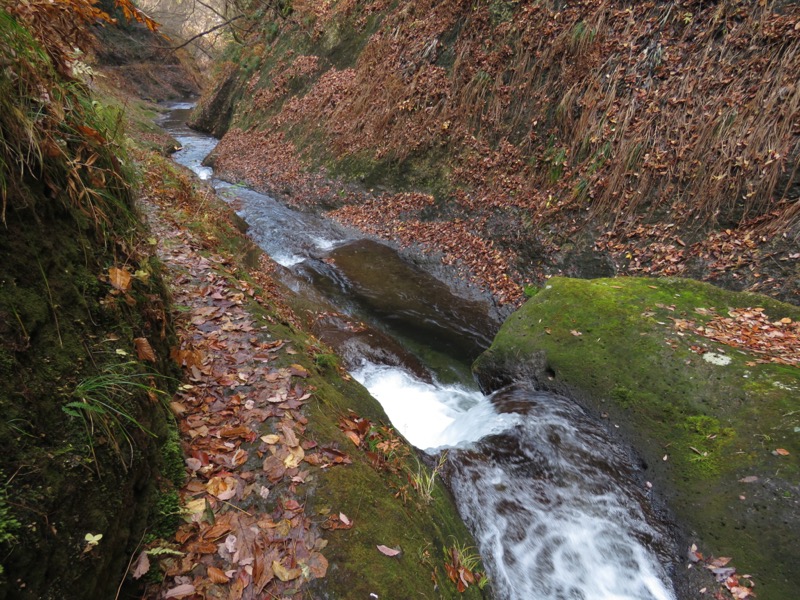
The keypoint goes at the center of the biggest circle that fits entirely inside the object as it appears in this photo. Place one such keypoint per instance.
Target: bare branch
(206, 32)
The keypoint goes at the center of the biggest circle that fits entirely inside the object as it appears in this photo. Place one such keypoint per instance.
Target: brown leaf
(217, 575)
(294, 458)
(142, 565)
(781, 452)
(298, 371)
(721, 561)
(224, 489)
(120, 279)
(262, 570)
(388, 551)
(317, 565)
(181, 591)
(144, 350)
(283, 573)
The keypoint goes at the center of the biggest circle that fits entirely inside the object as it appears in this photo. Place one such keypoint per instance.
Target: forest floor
(232, 388)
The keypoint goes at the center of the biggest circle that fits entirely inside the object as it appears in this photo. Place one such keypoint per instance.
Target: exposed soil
(528, 139)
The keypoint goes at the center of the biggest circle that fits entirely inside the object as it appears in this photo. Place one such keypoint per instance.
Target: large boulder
(703, 382)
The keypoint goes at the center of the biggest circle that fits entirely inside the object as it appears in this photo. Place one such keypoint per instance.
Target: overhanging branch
(206, 32)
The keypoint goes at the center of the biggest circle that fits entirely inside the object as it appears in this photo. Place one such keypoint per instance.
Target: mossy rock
(707, 429)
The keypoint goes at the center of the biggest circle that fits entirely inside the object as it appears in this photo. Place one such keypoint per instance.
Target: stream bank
(717, 426)
(312, 475)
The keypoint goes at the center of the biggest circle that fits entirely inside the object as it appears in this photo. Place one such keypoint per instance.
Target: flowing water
(557, 507)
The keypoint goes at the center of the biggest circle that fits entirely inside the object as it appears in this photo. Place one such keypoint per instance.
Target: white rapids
(547, 494)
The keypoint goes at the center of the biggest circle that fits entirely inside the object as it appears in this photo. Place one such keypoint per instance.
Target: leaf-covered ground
(284, 475)
(231, 548)
(582, 139)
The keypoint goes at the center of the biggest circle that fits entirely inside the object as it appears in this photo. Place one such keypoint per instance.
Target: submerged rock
(703, 382)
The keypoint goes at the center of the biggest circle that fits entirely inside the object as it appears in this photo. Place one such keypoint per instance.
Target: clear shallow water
(555, 505)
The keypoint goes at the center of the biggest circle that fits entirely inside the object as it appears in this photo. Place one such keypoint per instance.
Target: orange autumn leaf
(217, 575)
(120, 279)
(144, 350)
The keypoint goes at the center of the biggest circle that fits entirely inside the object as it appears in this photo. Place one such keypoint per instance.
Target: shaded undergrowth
(85, 458)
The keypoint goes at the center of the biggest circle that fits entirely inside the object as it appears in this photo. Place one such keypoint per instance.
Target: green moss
(623, 396)
(172, 457)
(612, 344)
(167, 514)
(530, 291)
(326, 361)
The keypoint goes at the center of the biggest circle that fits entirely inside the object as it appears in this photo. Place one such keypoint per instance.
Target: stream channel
(558, 509)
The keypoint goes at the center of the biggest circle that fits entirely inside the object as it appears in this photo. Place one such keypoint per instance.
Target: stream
(558, 508)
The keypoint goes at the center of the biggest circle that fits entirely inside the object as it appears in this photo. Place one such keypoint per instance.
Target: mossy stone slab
(706, 427)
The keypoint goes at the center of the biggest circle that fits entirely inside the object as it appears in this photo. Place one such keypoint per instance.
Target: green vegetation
(67, 189)
(424, 480)
(621, 348)
(101, 401)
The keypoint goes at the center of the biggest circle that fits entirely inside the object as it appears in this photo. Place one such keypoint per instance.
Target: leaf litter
(245, 534)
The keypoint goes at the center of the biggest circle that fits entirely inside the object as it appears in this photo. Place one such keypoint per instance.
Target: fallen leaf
(295, 457)
(142, 565)
(270, 439)
(298, 371)
(576, 333)
(181, 591)
(217, 575)
(388, 551)
(224, 489)
(317, 565)
(283, 573)
(343, 518)
(144, 350)
(780, 452)
(749, 479)
(196, 506)
(119, 279)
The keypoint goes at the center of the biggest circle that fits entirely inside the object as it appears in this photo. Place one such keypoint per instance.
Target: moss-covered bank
(621, 347)
(87, 444)
(375, 489)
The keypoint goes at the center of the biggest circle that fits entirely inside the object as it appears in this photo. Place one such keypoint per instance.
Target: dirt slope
(584, 138)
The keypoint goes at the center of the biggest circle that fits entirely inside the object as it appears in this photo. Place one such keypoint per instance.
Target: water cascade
(558, 508)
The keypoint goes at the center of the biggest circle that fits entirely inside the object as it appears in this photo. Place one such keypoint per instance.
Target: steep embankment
(90, 453)
(532, 138)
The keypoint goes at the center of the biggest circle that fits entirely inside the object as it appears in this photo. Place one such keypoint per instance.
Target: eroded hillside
(532, 138)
